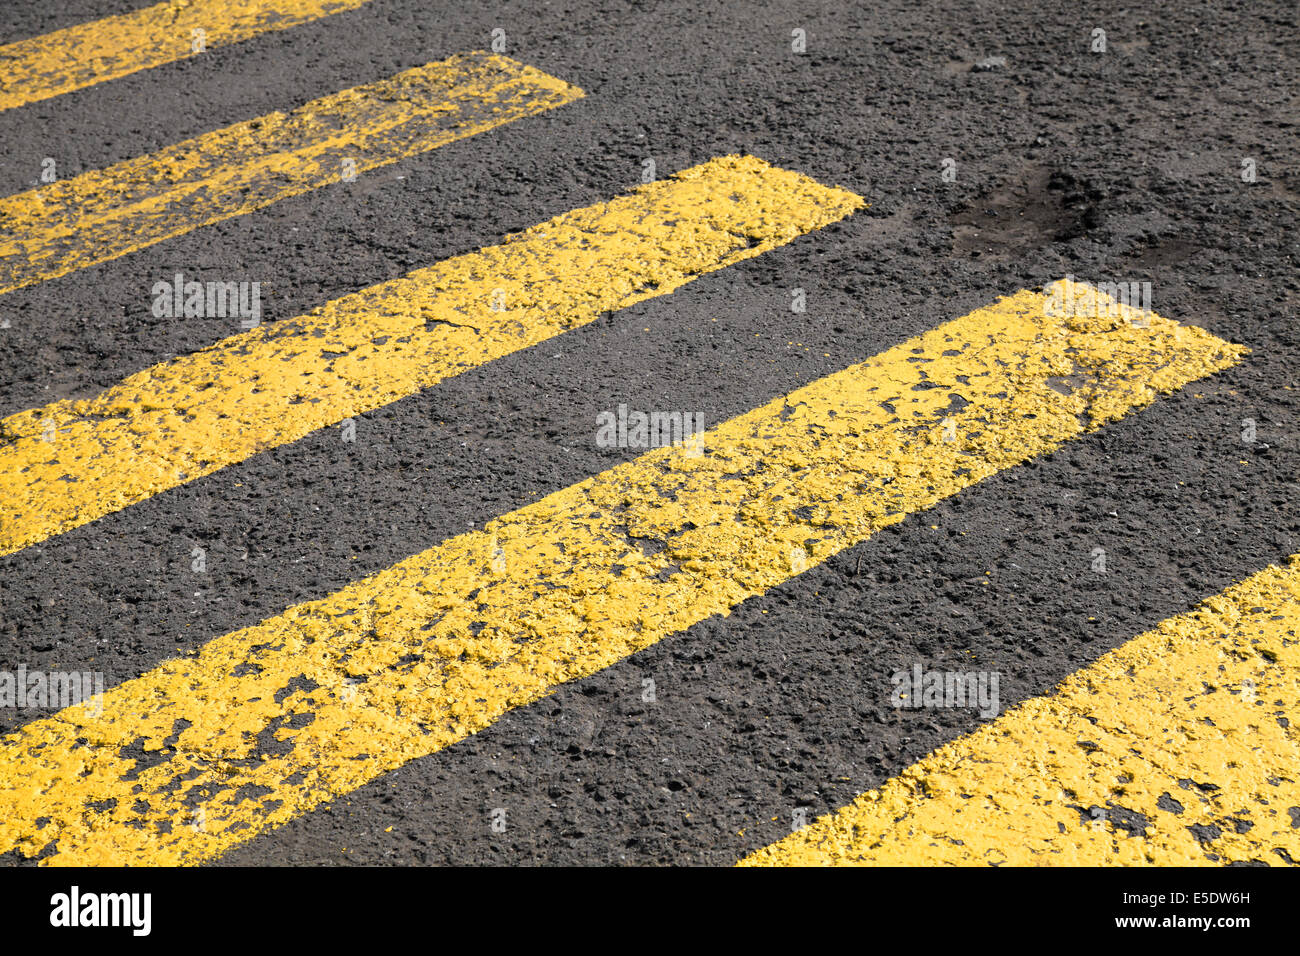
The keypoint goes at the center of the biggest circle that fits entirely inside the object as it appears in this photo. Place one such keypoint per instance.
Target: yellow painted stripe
(74, 461)
(107, 213)
(55, 63)
(265, 723)
(1190, 725)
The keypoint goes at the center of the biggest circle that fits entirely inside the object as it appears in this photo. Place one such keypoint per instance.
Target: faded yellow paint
(1192, 724)
(263, 724)
(55, 63)
(74, 461)
(106, 213)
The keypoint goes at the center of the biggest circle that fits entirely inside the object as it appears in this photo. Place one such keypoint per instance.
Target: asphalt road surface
(599, 652)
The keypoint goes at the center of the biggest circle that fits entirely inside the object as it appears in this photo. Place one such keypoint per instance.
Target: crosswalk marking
(74, 461)
(264, 724)
(49, 65)
(103, 214)
(1176, 749)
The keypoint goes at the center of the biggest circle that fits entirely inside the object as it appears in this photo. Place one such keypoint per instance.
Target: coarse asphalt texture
(1125, 164)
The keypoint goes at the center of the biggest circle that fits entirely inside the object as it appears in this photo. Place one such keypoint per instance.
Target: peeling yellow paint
(49, 65)
(104, 214)
(1192, 724)
(272, 385)
(264, 724)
